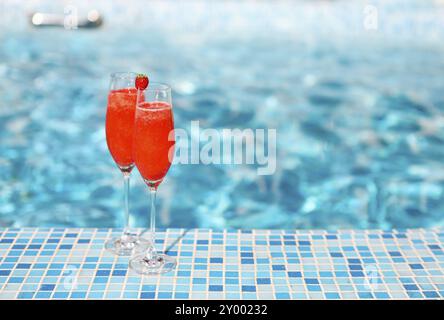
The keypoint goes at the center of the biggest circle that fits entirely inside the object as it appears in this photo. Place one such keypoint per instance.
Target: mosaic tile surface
(57, 263)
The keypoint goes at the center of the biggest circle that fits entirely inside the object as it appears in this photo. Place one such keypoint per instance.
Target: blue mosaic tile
(63, 263)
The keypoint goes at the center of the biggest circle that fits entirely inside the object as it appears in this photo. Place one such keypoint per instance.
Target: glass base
(126, 245)
(160, 263)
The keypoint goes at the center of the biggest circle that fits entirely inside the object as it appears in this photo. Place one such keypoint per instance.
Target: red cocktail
(153, 151)
(120, 126)
(122, 99)
(154, 141)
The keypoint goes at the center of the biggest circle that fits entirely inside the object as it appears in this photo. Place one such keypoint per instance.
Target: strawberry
(142, 81)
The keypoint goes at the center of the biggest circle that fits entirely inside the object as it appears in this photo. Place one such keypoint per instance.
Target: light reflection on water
(358, 116)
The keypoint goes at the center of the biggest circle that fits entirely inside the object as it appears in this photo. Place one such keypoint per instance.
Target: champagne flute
(153, 151)
(120, 112)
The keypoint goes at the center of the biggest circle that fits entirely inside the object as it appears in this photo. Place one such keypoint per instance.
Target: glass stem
(152, 248)
(126, 187)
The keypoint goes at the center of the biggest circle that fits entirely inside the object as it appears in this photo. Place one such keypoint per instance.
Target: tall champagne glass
(120, 112)
(153, 152)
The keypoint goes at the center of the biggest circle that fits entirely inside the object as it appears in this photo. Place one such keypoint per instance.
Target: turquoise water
(358, 113)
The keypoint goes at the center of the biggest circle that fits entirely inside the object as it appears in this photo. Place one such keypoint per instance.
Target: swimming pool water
(358, 113)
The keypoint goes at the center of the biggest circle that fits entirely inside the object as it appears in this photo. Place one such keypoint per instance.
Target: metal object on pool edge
(92, 20)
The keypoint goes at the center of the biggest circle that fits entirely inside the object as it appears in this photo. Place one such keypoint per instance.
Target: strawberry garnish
(142, 81)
